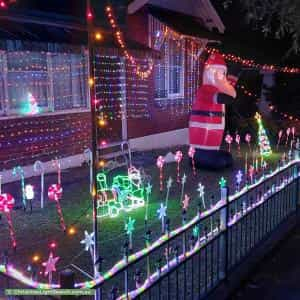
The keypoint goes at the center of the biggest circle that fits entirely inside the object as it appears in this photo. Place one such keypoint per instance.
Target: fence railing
(190, 261)
(193, 259)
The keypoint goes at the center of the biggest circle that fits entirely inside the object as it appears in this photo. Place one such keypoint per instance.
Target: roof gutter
(57, 23)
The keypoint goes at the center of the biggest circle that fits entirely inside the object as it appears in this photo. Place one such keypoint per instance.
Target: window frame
(166, 64)
(4, 102)
(10, 113)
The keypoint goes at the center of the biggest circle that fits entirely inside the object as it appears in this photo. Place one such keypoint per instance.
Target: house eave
(208, 10)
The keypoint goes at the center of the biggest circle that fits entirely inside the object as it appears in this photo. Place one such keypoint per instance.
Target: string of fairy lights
(119, 36)
(113, 88)
(271, 107)
(111, 95)
(252, 64)
(117, 86)
(9, 270)
(29, 139)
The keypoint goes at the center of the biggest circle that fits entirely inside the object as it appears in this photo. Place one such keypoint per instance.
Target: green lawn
(35, 232)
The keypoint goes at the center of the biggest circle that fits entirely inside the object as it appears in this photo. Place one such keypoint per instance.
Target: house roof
(188, 25)
(202, 9)
(41, 27)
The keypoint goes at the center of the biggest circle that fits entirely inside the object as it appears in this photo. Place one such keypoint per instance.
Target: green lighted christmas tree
(263, 140)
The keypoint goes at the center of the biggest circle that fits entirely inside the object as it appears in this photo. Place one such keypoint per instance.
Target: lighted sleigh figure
(126, 193)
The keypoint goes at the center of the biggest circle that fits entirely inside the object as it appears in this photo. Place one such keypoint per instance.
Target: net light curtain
(56, 81)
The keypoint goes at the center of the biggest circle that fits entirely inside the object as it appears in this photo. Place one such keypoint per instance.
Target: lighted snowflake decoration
(88, 240)
(196, 231)
(222, 182)
(169, 182)
(183, 179)
(200, 190)
(148, 189)
(129, 226)
(162, 211)
(239, 177)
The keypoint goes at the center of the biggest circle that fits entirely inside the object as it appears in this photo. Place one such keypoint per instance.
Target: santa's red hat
(216, 60)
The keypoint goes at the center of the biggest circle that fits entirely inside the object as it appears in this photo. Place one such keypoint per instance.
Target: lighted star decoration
(186, 202)
(169, 182)
(148, 189)
(162, 211)
(88, 240)
(251, 170)
(196, 231)
(183, 179)
(50, 264)
(129, 226)
(200, 190)
(222, 182)
(264, 164)
(239, 177)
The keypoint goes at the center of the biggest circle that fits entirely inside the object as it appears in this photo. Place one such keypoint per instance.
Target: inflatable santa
(207, 120)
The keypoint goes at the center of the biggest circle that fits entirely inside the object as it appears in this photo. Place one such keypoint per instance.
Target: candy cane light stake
(160, 164)
(228, 140)
(248, 140)
(251, 173)
(293, 132)
(39, 168)
(191, 155)
(288, 131)
(55, 194)
(238, 140)
(7, 203)
(178, 158)
(169, 185)
(280, 132)
(19, 171)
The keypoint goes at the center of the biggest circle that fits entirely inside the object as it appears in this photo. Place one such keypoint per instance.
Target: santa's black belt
(206, 113)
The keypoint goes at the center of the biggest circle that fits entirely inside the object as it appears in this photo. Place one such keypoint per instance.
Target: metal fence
(190, 261)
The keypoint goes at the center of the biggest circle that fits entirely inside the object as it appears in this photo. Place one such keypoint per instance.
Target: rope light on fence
(121, 265)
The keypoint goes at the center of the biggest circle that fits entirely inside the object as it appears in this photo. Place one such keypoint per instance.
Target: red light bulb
(52, 245)
(89, 15)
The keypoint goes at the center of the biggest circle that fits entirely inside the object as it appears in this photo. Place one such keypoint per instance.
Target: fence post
(67, 281)
(147, 240)
(126, 254)
(297, 192)
(224, 217)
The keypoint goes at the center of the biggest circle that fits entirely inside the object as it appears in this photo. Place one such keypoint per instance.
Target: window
(27, 74)
(169, 71)
(51, 81)
(3, 97)
(69, 81)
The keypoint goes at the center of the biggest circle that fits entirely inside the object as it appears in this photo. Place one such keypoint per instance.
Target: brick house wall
(26, 140)
(163, 117)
